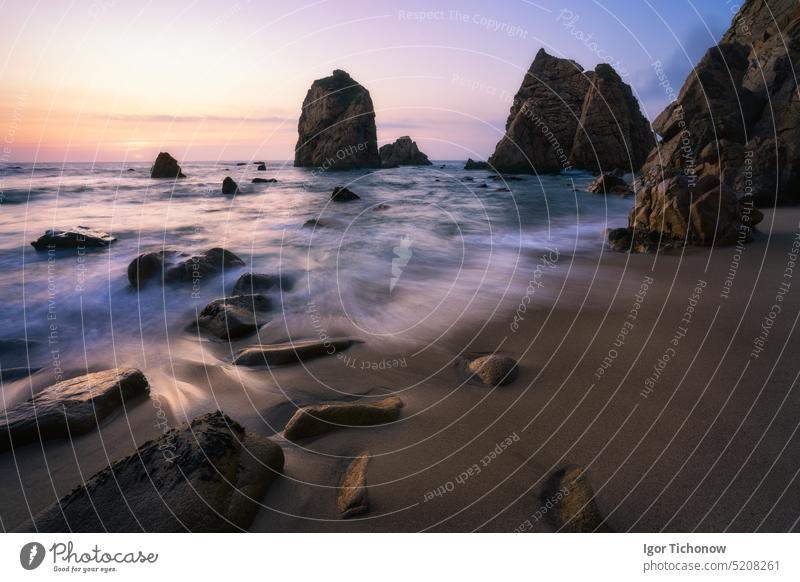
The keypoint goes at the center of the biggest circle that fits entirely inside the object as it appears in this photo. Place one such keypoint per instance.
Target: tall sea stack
(337, 126)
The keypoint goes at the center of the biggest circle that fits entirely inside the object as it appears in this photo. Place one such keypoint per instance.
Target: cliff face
(563, 116)
(337, 126)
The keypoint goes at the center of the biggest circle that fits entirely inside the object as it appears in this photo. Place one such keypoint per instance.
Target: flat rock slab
(568, 501)
(71, 407)
(319, 419)
(72, 238)
(290, 353)
(236, 316)
(494, 370)
(208, 476)
(353, 497)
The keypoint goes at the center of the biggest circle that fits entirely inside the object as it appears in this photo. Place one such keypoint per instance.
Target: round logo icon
(31, 555)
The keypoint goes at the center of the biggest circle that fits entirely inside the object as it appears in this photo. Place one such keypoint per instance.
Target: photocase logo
(31, 555)
(402, 254)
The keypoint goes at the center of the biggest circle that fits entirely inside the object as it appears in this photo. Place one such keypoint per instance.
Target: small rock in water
(166, 166)
(208, 476)
(145, 267)
(342, 194)
(235, 317)
(263, 180)
(574, 507)
(229, 186)
(315, 420)
(71, 407)
(381, 207)
(72, 238)
(494, 370)
(473, 165)
(262, 168)
(212, 262)
(353, 498)
(315, 223)
(248, 283)
(241, 163)
(289, 353)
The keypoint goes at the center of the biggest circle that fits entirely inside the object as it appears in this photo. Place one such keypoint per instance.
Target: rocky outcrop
(208, 476)
(564, 117)
(262, 167)
(403, 152)
(353, 497)
(337, 126)
(236, 316)
(166, 166)
(160, 266)
(342, 194)
(229, 186)
(494, 370)
(568, 501)
(71, 407)
(289, 353)
(609, 183)
(473, 165)
(315, 420)
(73, 238)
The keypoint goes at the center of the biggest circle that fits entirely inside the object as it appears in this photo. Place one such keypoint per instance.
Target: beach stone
(208, 476)
(609, 183)
(337, 126)
(71, 407)
(353, 497)
(619, 239)
(262, 167)
(494, 370)
(207, 264)
(229, 186)
(261, 282)
(570, 503)
(318, 419)
(403, 152)
(166, 166)
(73, 238)
(263, 180)
(474, 165)
(342, 194)
(145, 267)
(236, 316)
(289, 353)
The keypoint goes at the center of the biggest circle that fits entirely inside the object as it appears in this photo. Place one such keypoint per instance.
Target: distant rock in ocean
(229, 186)
(403, 152)
(166, 167)
(342, 194)
(337, 126)
(565, 117)
(473, 165)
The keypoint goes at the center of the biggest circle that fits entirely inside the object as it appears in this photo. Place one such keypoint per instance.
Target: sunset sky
(112, 80)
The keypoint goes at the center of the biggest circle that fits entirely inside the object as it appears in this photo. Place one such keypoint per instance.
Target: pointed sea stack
(337, 126)
(166, 166)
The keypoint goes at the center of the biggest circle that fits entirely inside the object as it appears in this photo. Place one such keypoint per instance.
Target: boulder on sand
(342, 194)
(208, 476)
(318, 419)
(236, 316)
(290, 352)
(571, 496)
(353, 497)
(71, 407)
(229, 186)
(166, 166)
(336, 130)
(403, 152)
(494, 370)
(72, 238)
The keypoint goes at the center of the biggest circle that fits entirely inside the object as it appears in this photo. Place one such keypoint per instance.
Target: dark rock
(236, 316)
(241, 163)
(403, 152)
(473, 165)
(311, 421)
(494, 370)
(381, 207)
(145, 267)
(619, 239)
(208, 476)
(609, 183)
(342, 194)
(166, 166)
(259, 163)
(315, 223)
(210, 263)
(262, 168)
(574, 508)
(249, 283)
(71, 407)
(131, 170)
(229, 186)
(503, 189)
(289, 353)
(337, 126)
(73, 238)
(353, 498)
(264, 180)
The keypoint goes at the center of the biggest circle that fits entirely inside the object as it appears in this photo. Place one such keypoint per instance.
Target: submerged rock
(229, 186)
(494, 370)
(262, 167)
(574, 509)
(166, 166)
(236, 316)
(146, 267)
(315, 420)
(207, 264)
(403, 152)
(609, 183)
(289, 353)
(473, 165)
(208, 476)
(264, 180)
(71, 407)
(248, 283)
(337, 126)
(342, 194)
(73, 238)
(353, 498)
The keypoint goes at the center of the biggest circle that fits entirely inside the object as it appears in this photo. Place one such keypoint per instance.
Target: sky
(121, 80)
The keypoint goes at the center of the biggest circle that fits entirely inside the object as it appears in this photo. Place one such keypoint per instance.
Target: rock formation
(72, 238)
(609, 183)
(318, 419)
(570, 502)
(229, 186)
(564, 117)
(342, 194)
(473, 165)
(236, 316)
(205, 477)
(249, 283)
(166, 166)
(353, 497)
(403, 152)
(494, 370)
(337, 126)
(289, 353)
(264, 180)
(160, 265)
(71, 407)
